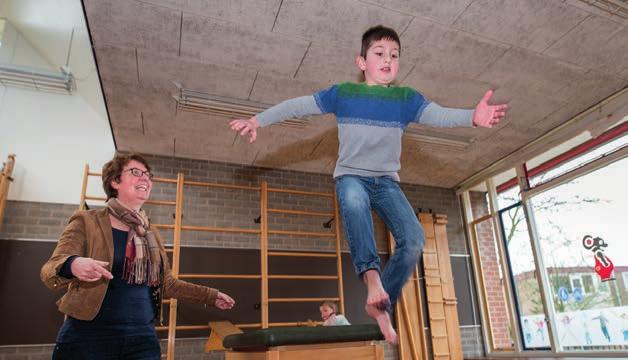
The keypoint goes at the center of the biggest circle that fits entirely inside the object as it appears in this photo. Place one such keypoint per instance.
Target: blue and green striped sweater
(371, 120)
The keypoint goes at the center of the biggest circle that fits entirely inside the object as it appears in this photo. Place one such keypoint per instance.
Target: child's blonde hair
(331, 304)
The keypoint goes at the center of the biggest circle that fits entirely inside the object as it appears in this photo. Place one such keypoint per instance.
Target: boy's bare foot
(383, 321)
(377, 296)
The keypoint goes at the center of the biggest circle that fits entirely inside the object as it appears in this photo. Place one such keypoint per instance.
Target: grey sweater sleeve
(289, 109)
(439, 116)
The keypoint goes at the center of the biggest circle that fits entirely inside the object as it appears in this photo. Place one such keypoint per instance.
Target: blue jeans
(128, 348)
(357, 195)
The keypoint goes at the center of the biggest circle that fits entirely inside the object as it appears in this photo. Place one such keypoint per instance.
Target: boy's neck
(375, 84)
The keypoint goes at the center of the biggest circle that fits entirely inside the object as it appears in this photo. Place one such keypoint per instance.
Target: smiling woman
(115, 268)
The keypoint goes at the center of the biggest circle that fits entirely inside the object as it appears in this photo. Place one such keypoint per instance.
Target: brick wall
(34, 220)
(493, 281)
(238, 208)
(234, 208)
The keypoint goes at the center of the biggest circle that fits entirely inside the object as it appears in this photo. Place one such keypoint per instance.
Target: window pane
(582, 231)
(479, 203)
(532, 322)
(507, 189)
(508, 197)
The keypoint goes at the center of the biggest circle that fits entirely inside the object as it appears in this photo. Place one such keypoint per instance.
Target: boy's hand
(245, 127)
(486, 115)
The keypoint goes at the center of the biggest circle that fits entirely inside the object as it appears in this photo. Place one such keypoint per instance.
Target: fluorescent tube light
(38, 79)
(200, 102)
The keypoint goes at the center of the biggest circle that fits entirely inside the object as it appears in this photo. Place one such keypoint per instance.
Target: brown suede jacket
(89, 234)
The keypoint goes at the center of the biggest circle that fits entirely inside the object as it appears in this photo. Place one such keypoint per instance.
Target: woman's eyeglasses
(138, 173)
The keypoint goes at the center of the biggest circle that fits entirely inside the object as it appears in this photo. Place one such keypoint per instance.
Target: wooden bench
(355, 342)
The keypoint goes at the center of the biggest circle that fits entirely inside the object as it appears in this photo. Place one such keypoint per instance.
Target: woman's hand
(88, 269)
(224, 301)
(246, 127)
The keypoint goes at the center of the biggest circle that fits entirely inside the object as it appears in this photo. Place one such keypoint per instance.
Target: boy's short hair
(376, 33)
(331, 304)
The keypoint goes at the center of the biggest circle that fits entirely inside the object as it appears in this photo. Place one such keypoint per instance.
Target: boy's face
(382, 62)
(326, 312)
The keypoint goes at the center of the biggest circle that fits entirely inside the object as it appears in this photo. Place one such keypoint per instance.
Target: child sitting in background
(329, 314)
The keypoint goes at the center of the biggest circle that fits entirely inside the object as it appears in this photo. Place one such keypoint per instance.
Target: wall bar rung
(301, 233)
(303, 254)
(221, 186)
(302, 299)
(164, 180)
(218, 229)
(301, 192)
(299, 212)
(298, 323)
(218, 276)
(206, 327)
(184, 327)
(159, 202)
(304, 277)
(89, 197)
(248, 326)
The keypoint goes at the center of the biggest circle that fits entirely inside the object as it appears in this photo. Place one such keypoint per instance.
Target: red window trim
(569, 154)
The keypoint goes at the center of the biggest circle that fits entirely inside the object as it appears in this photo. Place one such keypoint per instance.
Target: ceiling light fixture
(38, 79)
(425, 136)
(200, 102)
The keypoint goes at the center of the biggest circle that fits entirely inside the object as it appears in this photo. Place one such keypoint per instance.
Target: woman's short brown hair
(112, 170)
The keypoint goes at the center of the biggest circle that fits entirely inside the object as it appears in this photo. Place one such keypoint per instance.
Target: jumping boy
(371, 118)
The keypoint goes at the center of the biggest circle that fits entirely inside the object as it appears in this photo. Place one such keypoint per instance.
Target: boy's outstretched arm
(246, 127)
(289, 109)
(486, 115)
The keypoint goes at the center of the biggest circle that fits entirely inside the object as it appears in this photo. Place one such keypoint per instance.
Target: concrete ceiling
(548, 59)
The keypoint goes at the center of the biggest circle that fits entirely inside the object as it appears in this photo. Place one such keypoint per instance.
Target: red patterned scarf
(142, 259)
